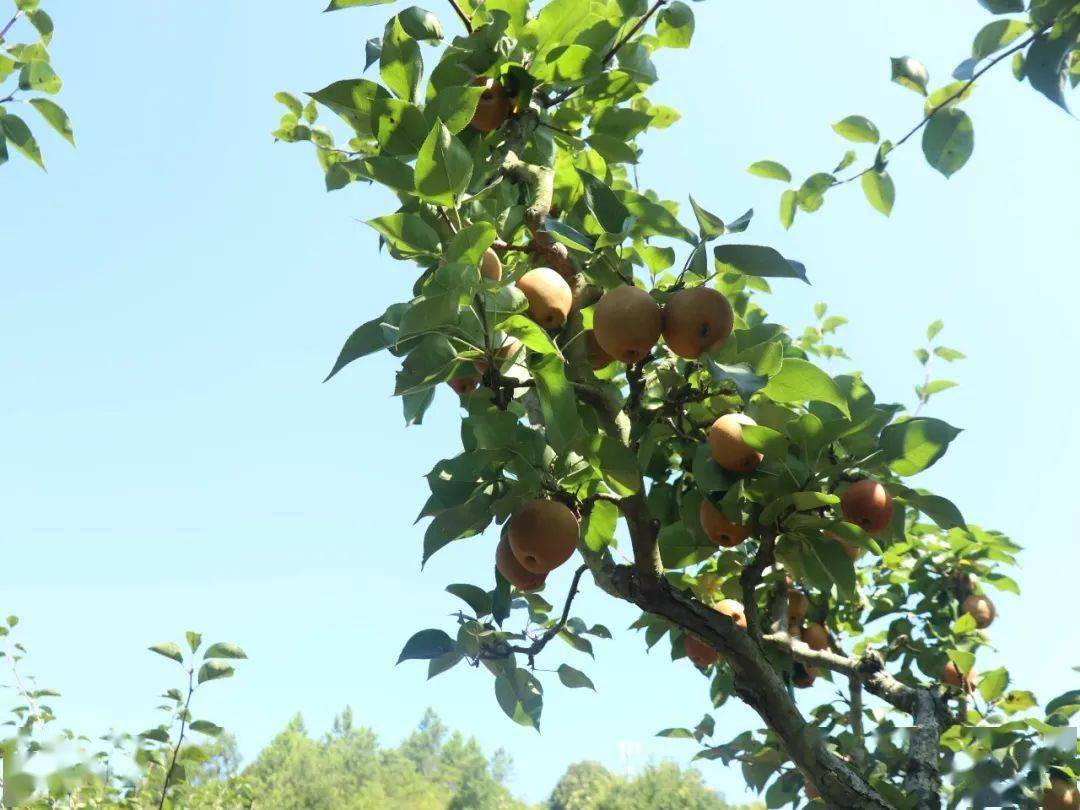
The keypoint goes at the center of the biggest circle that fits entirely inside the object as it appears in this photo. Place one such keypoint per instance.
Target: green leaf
(1002, 6)
(38, 75)
(934, 329)
(964, 625)
(788, 207)
(55, 116)
(617, 464)
(993, 683)
(599, 529)
(995, 36)
(879, 190)
(757, 260)
(291, 102)
(940, 510)
(206, 727)
(443, 167)
(709, 225)
(18, 135)
(400, 63)
(679, 547)
(949, 355)
(765, 440)
(454, 106)
(425, 645)
(1046, 65)
(557, 401)
(770, 170)
(910, 73)
(574, 679)
(367, 339)
(835, 560)
(857, 128)
(476, 598)
(800, 381)
(213, 670)
(169, 650)
(468, 245)
(964, 660)
(223, 649)
(1066, 704)
(603, 204)
(676, 733)
(911, 446)
(415, 404)
(43, 23)
(675, 25)
(467, 519)
(948, 140)
(354, 100)
(421, 24)
(437, 666)
(408, 233)
(1017, 700)
(194, 640)
(530, 333)
(520, 695)
(159, 734)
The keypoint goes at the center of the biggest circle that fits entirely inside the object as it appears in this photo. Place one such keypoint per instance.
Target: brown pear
(549, 296)
(733, 610)
(463, 385)
(598, 358)
(491, 265)
(699, 652)
(954, 677)
(1061, 795)
(981, 609)
(493, 107)
(515, 573)
(696, 320)
(543, 535)
(804, 678)
(797, 605)
(727, 446)
(868, 505)
(626, 322)
(511, 347)
(718, 528)
(816, 636)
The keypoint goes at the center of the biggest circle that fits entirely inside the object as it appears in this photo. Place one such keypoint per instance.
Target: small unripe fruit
(981, 609)
(699, 652)
(1061, 795)
(598, 358)
(626, 322)
(549, 296)
(868, 505)
(493, 107)
(727, 446)
(514, 572)
(816, 636)
(696, 320)
(543, 535)
(952, 676)
(491, 265)
(797, 605)
(733, 610)
(463, 385)
(718, 528)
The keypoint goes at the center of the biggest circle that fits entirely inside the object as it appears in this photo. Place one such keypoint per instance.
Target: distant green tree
(582, 787)
(590, 786)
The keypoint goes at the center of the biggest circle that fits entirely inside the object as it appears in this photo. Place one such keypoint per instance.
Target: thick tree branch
(928, 714)
(756, 683)
(540, 182)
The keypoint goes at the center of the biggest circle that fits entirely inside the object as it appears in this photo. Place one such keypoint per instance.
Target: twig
(534, 649)
(565, 94)
(180, 739)
(464, 17)
(958, 94)
(10, 23)
(855, 708)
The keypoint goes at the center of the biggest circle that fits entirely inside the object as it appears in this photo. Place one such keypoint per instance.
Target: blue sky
(173, 291)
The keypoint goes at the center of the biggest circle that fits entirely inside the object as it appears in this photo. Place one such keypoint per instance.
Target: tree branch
(611, 54)
(958, 94)
(10, 23)
(462, 15)
(750, 578)
(534, 649)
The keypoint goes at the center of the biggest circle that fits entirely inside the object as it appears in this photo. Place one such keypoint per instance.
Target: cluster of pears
(982, 610)
(539, 537)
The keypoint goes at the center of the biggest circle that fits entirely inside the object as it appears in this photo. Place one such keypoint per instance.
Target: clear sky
(173, 291)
